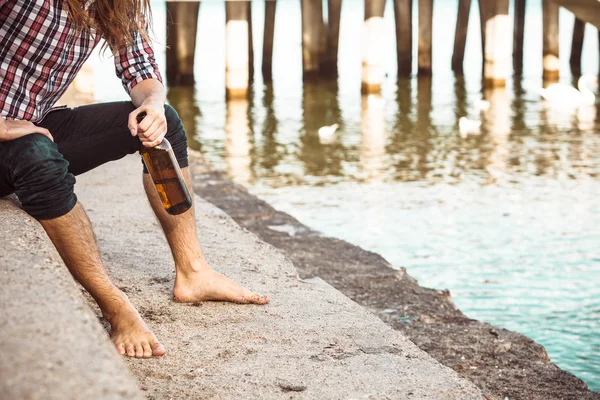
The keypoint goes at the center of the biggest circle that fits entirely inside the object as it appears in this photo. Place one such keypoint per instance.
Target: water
(508, 220)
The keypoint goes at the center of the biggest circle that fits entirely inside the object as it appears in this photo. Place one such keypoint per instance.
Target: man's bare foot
(130, 334)
(209, 285)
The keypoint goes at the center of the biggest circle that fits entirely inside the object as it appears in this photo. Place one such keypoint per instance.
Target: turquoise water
(508, 220)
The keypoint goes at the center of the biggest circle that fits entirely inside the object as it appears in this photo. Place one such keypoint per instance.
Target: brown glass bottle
(166, 175)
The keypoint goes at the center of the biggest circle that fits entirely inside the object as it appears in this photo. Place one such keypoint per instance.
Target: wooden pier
(500, 33)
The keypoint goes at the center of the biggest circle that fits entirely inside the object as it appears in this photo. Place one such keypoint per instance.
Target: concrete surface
(311, 342)
(51, 344)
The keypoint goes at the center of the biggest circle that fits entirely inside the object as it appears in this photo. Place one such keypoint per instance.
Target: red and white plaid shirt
(41, 52)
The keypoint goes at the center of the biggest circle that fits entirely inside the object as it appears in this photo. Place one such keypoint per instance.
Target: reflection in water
(237, 141)
(320, 108)
(267, 150)
(373, 137)
(497, 123)
(183, 99)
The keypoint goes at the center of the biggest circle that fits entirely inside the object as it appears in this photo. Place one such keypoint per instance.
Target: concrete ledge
(51, 344)
(311, 342)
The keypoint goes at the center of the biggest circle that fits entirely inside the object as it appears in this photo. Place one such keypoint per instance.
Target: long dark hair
(117, 20)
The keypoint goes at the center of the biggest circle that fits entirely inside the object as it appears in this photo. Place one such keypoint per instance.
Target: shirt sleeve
(135, 62)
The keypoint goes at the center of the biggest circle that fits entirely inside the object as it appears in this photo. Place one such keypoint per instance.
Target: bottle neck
(163, 146)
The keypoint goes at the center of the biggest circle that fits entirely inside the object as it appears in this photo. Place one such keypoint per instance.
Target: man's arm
(136, 67)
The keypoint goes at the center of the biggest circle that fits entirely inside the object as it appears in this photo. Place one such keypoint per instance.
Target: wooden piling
(519, 33)
(372, 70)
(425, 35)
(237, 52)
(460, 37)
(330, 55)
(403, 18)
(483, 17)
(312, 34)
(550, 40)
(497, 44)
(182, 22)
(577, 46)
(250, 45)
(267, 55)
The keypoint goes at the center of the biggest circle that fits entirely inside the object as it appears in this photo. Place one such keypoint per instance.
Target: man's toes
(255, 299)
(130, 350)
(139, 350)
(157, 349)
(147, 350)
(120, 348)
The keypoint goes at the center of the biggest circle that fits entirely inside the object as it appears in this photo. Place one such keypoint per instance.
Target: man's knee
(176, 135)
(41, 178)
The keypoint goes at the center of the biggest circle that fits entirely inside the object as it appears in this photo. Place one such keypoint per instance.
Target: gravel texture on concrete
(51, 344)
(311, 342)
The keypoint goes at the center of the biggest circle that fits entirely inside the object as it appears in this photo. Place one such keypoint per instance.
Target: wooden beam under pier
(403, 18)
(425, 36)
(550, 40)
(329, 63)
(250, 45)
(312, 34)
(497, 44)
(519, 33)
(269, 32)
(372, 69)
(237, 51)
(460, 37)
(483, 17)
(182, 22)
(577, 46)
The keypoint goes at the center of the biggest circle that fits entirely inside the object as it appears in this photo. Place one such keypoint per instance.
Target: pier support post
(483, 17)
(182, 22)
(550, 40)
(372, 70)
(460, 37)
(425, 35)
(519, 33)
(403, 18)
(497, 45)
(330, 56)
(267, 55)
(236, 48)
(577, 46)
(312, 35)
(250, 45)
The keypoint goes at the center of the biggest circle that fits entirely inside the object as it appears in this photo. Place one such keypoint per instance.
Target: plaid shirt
(41, 52)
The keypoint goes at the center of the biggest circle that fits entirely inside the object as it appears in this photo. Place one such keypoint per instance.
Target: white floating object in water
(467, 127)
(327, 133)
(562, 95)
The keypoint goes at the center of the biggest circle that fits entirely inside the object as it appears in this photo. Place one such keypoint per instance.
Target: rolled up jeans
(42, 173)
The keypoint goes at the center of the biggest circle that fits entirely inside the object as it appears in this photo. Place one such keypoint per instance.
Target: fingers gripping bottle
(166, 175)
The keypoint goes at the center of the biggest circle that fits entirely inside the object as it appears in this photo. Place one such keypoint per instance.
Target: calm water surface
(508, 220)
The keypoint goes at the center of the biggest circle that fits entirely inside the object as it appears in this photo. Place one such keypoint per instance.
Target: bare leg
(195, 281)
(74, 239)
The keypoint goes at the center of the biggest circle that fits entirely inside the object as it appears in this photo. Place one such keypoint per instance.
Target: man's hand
(13, 129)
(153, 127)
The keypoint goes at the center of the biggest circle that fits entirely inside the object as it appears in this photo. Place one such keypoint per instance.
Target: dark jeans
(42, 173)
